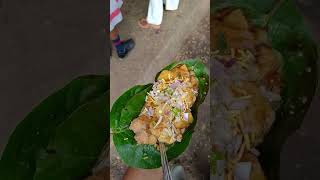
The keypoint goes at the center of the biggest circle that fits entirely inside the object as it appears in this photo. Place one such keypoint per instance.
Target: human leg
(122, 47)
(171, 5)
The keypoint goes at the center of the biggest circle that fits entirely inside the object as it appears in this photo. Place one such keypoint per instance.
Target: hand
(143, 174)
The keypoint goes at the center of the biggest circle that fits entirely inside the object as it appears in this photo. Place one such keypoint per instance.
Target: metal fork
(165, 164)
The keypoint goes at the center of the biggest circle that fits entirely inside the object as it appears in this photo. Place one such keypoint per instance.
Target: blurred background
(300, 156)
(43, 46)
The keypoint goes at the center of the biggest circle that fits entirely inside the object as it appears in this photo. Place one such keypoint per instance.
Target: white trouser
(155, 10)
(115, 13)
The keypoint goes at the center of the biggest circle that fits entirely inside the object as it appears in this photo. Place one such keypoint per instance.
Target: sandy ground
(154, 49)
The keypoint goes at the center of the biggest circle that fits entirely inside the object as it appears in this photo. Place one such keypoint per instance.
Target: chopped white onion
(186, 116)
(159, 121)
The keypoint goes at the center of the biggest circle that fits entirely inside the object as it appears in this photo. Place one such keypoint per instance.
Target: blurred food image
(258, 63)
(246, 85)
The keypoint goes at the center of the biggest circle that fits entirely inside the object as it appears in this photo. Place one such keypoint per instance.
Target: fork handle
(165, 164)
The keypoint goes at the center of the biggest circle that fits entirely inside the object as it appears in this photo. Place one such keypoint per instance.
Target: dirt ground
(154, 49)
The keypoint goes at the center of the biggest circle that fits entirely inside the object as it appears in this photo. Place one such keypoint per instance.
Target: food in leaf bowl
(264, 77)
(162, 112)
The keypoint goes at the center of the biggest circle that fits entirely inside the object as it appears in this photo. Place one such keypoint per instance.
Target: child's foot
(143, 23)
(125, 47)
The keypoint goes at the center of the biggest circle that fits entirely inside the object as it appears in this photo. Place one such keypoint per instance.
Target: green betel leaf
(48, 121)
(128, 106)
(120, 104)
(133, 154)
(77, 143)
(289, 35)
